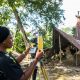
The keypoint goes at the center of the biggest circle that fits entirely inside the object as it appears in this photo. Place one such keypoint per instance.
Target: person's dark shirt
(10, 67)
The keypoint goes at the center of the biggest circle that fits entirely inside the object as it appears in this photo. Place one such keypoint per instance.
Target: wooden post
(60, 49)
(78, 26)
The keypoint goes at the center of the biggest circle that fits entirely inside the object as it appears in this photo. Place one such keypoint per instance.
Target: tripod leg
(34, 73)
(44, 72)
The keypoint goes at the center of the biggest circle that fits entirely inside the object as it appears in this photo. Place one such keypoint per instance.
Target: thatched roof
(65, 40)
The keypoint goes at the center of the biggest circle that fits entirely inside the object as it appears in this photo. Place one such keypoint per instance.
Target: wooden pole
(60, 49)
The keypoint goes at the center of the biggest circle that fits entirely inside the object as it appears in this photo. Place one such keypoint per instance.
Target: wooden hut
(62, 40)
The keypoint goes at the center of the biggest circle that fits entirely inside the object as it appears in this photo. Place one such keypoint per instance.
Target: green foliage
(15, 3)
(73, 31)
(47, 12)
(47, 40)
(48, 9)
(19, 43)
(67, 30)
(4, 13)
(11, 2)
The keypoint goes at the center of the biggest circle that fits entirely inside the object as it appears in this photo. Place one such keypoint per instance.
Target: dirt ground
(62, 72)
(59, 71)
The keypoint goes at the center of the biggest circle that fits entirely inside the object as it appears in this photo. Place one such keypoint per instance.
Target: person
(10, 66)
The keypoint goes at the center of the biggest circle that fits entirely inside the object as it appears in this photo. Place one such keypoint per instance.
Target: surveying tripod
(40, 70)
(43, 71)
(41, 66)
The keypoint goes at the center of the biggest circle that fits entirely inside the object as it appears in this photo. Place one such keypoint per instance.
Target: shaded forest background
(26, 18)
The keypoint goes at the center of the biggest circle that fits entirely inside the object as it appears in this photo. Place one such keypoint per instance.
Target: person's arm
(23, 55)
(29, 71)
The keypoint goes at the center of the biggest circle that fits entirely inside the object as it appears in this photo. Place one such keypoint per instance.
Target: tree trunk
(11, 4)
(21, 27)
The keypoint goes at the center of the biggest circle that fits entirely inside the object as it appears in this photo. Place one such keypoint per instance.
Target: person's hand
(39, 54)
(27, 50)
